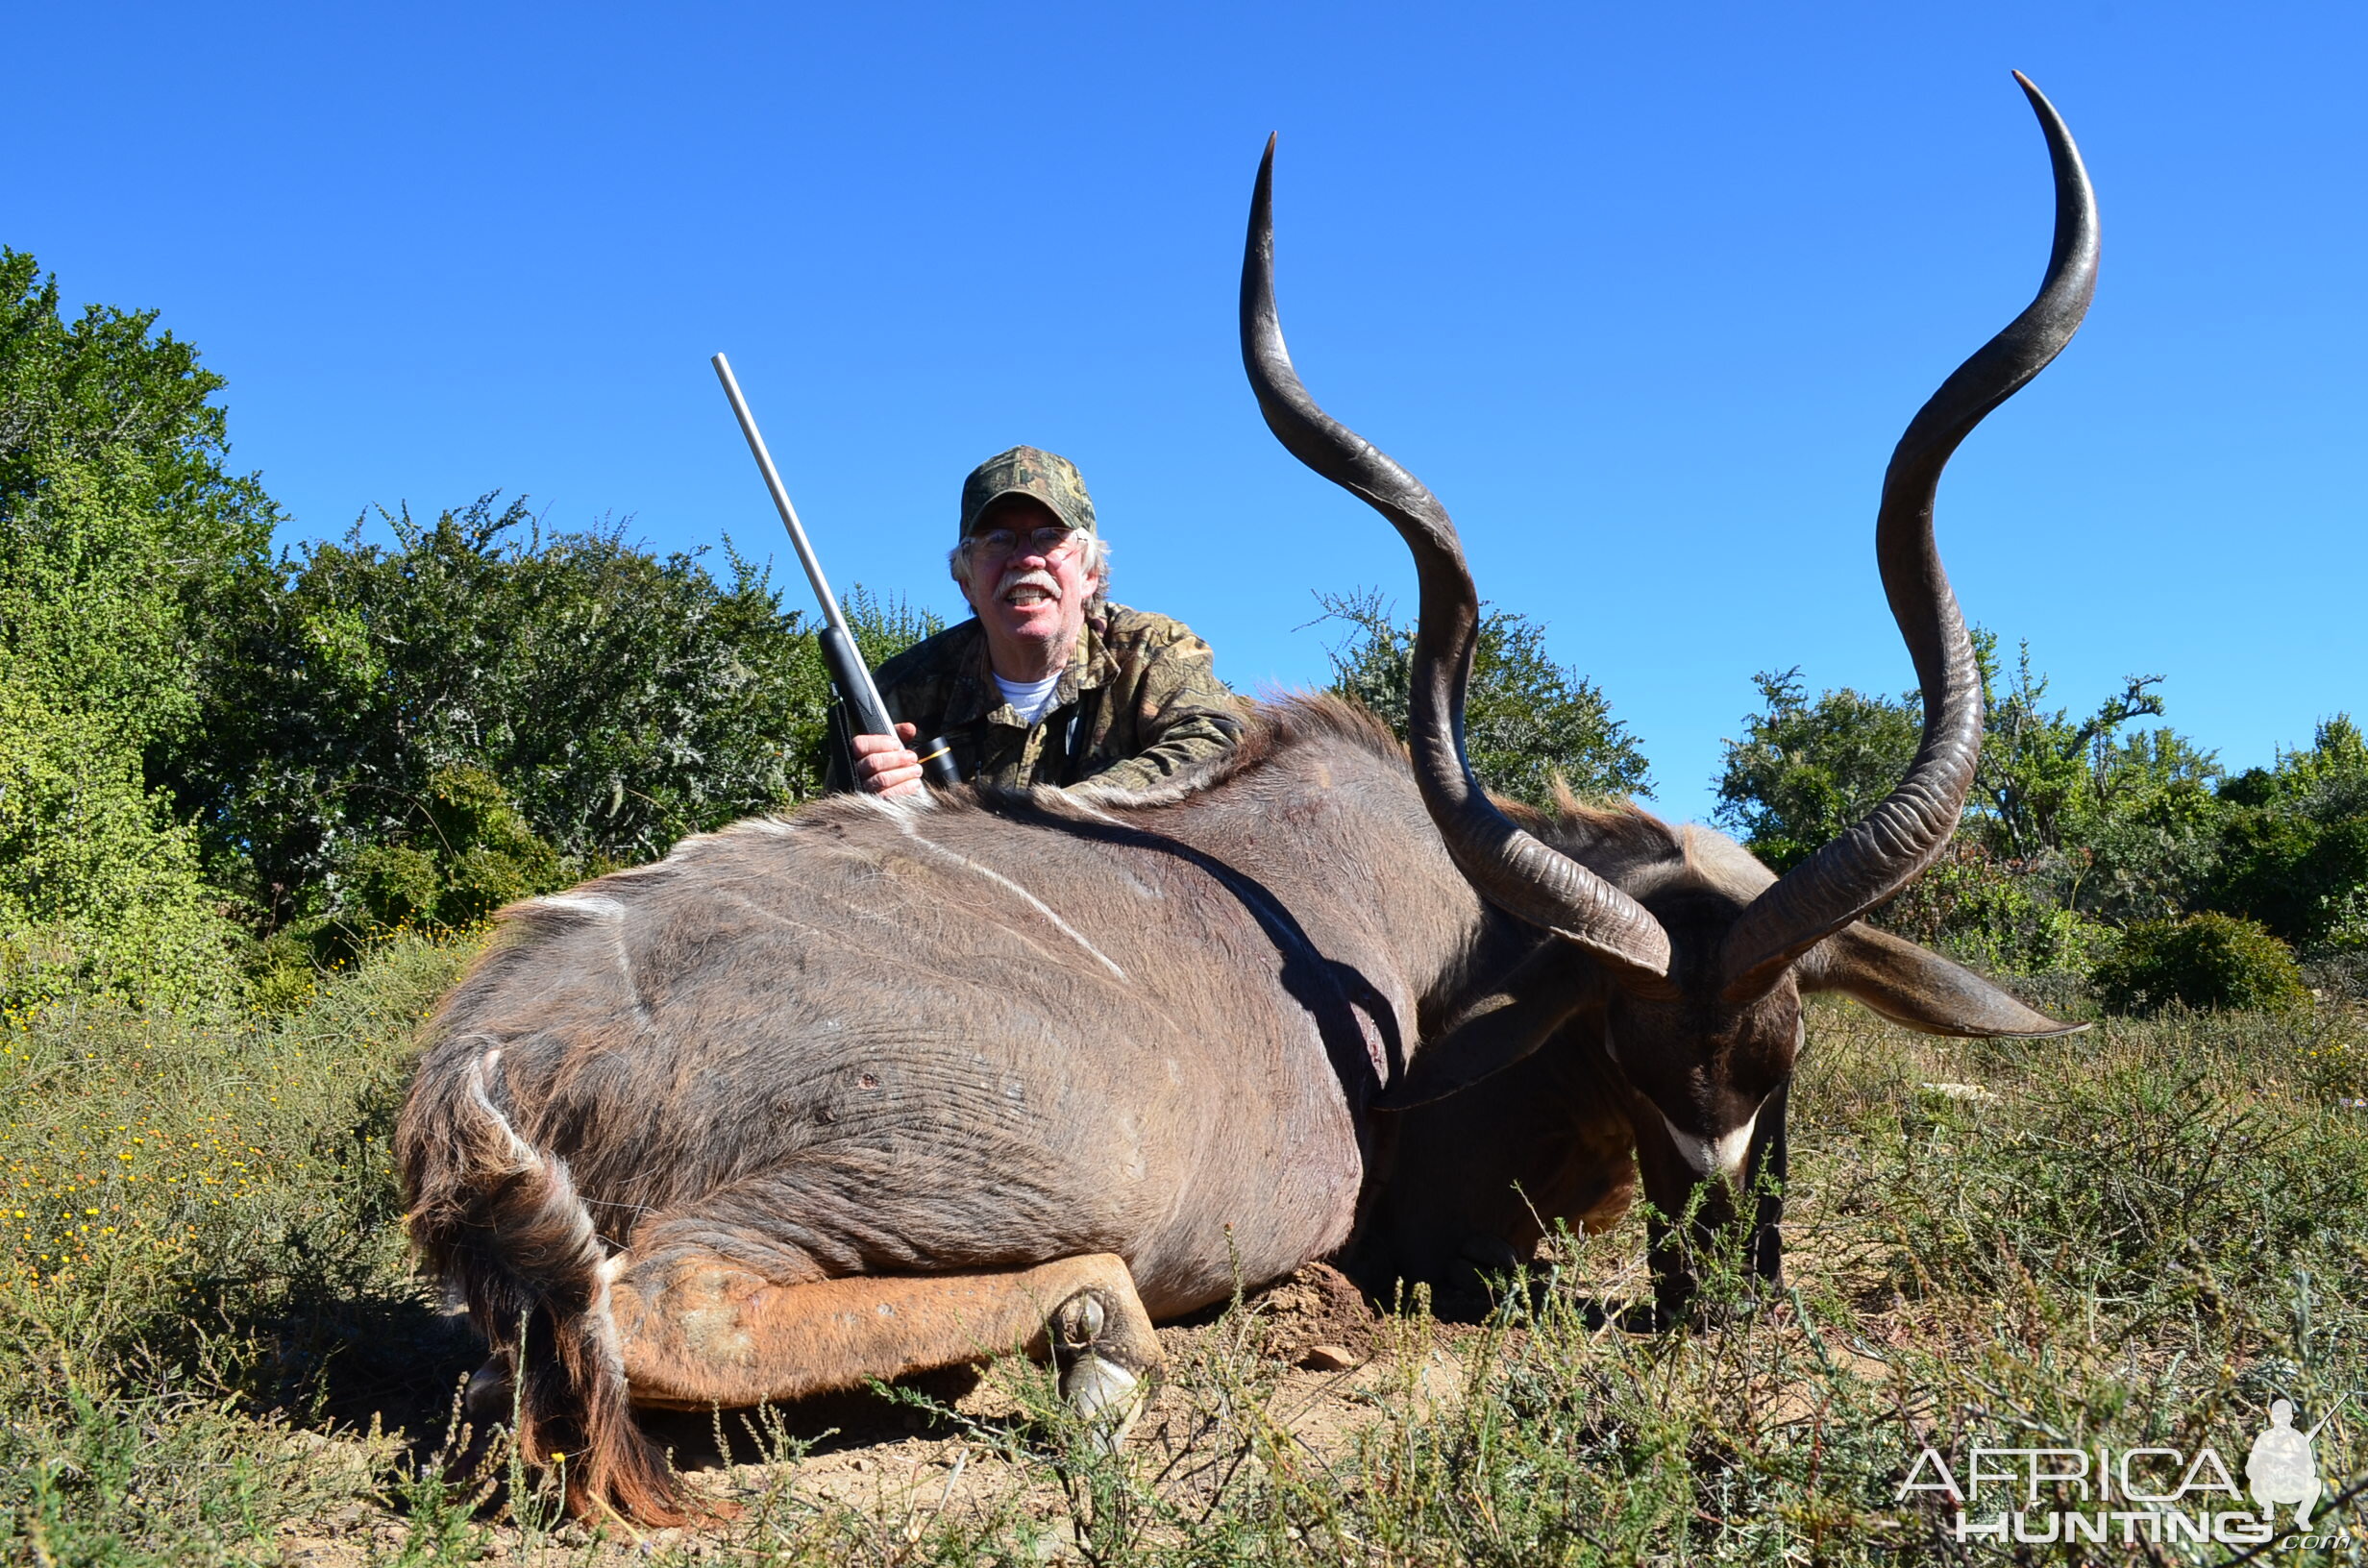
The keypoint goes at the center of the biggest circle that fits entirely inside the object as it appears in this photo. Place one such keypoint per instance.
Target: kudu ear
(1503, 1026)
(1912, 986)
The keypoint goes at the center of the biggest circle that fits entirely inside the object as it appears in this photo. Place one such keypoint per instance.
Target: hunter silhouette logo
(2151, 1494)
(2281, 1468)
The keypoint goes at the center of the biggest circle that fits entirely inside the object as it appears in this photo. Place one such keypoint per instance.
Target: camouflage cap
(1025, 471)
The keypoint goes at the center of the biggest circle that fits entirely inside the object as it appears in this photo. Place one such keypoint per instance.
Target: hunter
(1049, 682)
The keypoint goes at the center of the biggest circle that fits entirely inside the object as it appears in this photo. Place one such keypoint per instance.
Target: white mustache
(1032, 578)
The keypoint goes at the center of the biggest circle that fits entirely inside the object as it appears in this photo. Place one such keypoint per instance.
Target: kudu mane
(1275, 727)
(1644, 856)
(1276, 734)
(1272, 733)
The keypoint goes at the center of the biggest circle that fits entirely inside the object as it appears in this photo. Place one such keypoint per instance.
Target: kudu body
(886, 1086)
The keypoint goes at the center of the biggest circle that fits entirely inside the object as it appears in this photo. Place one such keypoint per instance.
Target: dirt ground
(1310, 1350)
(1312, 1341)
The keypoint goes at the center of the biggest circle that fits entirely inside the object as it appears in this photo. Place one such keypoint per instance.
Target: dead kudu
(887, 1086)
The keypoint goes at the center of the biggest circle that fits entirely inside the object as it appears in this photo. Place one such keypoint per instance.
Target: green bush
(470, 853)
(478, 710)
(2088, 819)
(2211, 962)
(2294, 849)
(119, 531)
(1967, 904)
(1527, 720)
(100, 889)
(1804, 772)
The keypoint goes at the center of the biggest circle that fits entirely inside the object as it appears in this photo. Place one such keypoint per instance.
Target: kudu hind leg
(700, 1331)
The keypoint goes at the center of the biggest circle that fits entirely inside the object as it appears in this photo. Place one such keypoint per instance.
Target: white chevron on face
(1721, 1156)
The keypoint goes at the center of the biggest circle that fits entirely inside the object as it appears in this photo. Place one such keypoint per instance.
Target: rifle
(2330, 1415)
(848, 673)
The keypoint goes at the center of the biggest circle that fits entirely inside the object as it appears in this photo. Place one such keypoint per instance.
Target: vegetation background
(254, 807)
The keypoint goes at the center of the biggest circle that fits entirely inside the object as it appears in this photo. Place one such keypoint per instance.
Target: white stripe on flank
(610, 912)
(1071, 801)
(897, 805)
(526, 1158)
(524, 1155)
(1001, 880)
(625, 968)
(597, 905)
(1167, 793)
(604, 1321)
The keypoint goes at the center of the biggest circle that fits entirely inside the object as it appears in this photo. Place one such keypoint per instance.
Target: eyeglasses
(1047, 541)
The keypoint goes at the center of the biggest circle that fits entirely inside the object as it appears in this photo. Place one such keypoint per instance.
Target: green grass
(212, 1349)
(203, 1269)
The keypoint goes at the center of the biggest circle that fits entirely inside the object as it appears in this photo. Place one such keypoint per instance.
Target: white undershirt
(1029, 699)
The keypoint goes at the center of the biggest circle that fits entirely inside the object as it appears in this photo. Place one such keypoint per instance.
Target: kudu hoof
(1092, 1364)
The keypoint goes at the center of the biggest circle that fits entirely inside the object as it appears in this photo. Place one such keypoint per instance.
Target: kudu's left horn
(1914, 822)
(1509, 867)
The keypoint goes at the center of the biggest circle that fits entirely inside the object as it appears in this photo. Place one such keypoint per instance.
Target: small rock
(1328, 1358)
(1960, 1091)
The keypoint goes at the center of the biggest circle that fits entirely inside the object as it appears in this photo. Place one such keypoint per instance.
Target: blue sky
(1645, 293)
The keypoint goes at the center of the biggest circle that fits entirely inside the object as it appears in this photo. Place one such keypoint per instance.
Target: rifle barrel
(867, 714)
(2331, 1414)
(782, 503)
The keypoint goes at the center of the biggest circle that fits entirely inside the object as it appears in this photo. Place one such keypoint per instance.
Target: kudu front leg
(1768, 1170)
(700, 1331)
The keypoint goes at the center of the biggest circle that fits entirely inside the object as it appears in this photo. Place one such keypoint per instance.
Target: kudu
(887, 1086)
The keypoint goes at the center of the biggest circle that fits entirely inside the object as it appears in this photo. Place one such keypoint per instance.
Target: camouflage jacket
(1139, 702)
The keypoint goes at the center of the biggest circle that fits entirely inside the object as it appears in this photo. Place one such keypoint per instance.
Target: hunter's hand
(886, 767)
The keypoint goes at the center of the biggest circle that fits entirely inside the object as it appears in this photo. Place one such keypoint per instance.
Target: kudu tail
(501, 1219)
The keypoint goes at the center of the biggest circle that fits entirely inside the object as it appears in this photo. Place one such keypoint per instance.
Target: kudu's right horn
(1509, 867)
(1914, 822)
